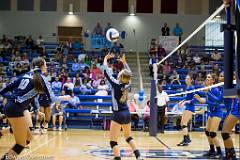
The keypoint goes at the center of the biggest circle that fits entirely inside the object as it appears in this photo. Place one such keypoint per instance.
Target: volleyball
(112, 35)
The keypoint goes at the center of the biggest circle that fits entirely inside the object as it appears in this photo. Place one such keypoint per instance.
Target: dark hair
(37, 79)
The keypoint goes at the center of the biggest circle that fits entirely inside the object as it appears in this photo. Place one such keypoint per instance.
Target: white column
(59, 5)
(134, 3)
(156, 6)
(83, 5)
(205, 7)
(181, 7)
(36, 5)
(13, 5)
(107, 6)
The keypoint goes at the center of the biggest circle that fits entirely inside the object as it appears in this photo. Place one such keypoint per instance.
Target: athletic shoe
(44, 130)
(37, 131)
(139, 158)
(183, 143)
(60, 128)
(54, 128)
(210, 154)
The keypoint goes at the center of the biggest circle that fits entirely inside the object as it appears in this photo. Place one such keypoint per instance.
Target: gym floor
(84, 144)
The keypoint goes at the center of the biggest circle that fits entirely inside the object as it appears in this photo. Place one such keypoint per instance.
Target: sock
(212, 149)
(137, 153)
(230, 153)
(219, 151)
(185, 138)
(117, 158)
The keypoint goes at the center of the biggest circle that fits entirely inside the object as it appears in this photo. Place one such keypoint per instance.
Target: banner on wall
(169, 43)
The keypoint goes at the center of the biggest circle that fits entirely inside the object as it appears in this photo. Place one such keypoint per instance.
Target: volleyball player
(188, 112)
(121, 115)
(213, 100)
(24, 90)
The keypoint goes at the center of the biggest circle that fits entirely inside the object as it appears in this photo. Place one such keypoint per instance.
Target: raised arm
(10, 86)
(109, 77)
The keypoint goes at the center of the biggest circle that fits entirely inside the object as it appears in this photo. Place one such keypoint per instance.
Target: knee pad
(129, 139)
(213, 134)
(17, 148)
(225, 136)
(207, 133)
(184, 126)
(27, 142)
(113, 144)
(10, 130)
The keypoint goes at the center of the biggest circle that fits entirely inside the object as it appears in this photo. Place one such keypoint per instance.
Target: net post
(153, 111)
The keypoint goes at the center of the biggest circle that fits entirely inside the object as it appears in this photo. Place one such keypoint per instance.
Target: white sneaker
(37, 131)
(54, 128)
(60, 128)
(44, 130)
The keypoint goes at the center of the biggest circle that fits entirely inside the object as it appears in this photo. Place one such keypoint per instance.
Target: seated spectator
(146, 116)
(75, 66)
(175, 78)
(161, 52)
(74, 102)
(165, 30)
(179, 64)
(177, 119)
(18, 69)
(216, 70)
(199, 79)
(29, 42)
(56, 85)
(68, 86)
(197, 59)
(102, 89)
(81, 57)
(98, 29)
(216, 56)
(40, 42)
(86, 87)
(77, 80)
(96, 72)
(166, 68)
(57, 112)
(107, 27)
(96, 82)
(134, 117)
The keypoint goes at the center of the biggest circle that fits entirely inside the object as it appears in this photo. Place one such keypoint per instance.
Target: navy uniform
(120, 108)
(23, 93)
(235, 109)
(44, 100)
(214, 99)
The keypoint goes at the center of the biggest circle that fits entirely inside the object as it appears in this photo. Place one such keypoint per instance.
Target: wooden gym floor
(76, 144)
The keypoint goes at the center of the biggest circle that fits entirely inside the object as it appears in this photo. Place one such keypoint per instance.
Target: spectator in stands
(40, 42)
(29, 42)
(81, 57)
(77, 80)
(75, 66)
(216, 56)
(197, 59)
(162, 103)
(161, 52)
(74, 102)
(216, 70)
(179, 64)
(107, 27)
(102, 89)
(82, 65)
(18, 68)
(178, 110)
(134, 117)
(146, 116)
(4, 39)
(56, 85)
(177, 31)
(166, 68)
(77, 45)
(152, 60)
(57, 112)
(96, 82)
(199, 79)
(86, 87)
(68, 86)
(175, 78)
(98, 29)
(96, 72)
(165, 30)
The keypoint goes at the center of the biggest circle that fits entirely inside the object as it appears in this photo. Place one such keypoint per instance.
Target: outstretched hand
(123, 59)
(227, 3)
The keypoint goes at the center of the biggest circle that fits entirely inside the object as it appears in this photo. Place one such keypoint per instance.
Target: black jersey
(119, 92)
(23, 91)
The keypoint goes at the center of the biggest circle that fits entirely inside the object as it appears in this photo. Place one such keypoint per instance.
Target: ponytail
(37, 79)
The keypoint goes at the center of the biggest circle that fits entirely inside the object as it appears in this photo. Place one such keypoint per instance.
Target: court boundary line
(36, 148)
(164, 144)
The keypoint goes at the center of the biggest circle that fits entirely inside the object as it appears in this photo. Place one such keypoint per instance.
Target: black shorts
(122, 117)
(45, 105)
(13, 109)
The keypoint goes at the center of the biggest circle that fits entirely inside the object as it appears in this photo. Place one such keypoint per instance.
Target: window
(144, 6)
(5, 5)
(95, 6)
(120, 6)
(169, 6)
(48, 5)
(25, 5)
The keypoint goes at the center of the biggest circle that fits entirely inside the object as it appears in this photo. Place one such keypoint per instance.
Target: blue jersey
(44, 100)
(23, 91)
(190, 97)
(214, 99)
(119, 93)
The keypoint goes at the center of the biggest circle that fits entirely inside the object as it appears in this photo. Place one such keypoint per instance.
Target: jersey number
(23, 84)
